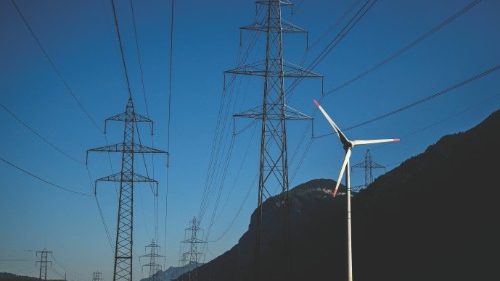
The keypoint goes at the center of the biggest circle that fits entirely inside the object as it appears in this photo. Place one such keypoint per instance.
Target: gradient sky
(79, 36)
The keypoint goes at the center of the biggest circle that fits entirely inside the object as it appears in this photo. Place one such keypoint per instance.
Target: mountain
(4, 276)
(173, 272)
(435, 217)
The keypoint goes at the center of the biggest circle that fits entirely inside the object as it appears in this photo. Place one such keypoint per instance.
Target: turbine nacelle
(348, 144)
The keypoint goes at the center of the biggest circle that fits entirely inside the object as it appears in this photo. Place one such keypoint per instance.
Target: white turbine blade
(361, 142)
(337, 130)
(342, 170)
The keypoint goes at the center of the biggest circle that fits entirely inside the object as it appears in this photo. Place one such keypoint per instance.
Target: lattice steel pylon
(273, 161)
(122, 270)
(153, 257)
(192, 254)
(368, 165)
(273, 112)
(44, 262)
(97, 276)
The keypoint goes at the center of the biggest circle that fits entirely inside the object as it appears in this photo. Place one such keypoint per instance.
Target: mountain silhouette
(435, 217)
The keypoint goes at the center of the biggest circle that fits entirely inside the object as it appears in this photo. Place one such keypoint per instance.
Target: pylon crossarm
(290, 114)
(129, 117)
(293, 114)
(126, 178)
(282, 2)
(286, 27)
(296, 71)
(120, 147)
(290, 70)
(195, 240)
(376, 165)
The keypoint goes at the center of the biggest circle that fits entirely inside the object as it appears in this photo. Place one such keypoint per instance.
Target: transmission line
(54, 67)
(422, 100)
(60, 187)
(443, 120)
(45, 140)
(336, 40)
(120, 44)
(221, 125)
(331, 28)
(169, 119)
(405, 107)
(101, 215)
(139, 60)
(216, 158)
(250, 187)
(403, 50)
(59, 74)
(428, 98)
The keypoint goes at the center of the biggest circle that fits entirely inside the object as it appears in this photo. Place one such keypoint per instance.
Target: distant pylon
(368, 165)
(153, 257)
(273, 111)
(44, 262)
(126, 177)
(192, 253)
(97, 276)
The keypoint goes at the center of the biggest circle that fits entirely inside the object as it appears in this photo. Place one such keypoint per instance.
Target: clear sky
(80, 38)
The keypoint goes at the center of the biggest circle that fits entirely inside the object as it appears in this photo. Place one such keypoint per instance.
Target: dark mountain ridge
(435, 217)
(5, 276)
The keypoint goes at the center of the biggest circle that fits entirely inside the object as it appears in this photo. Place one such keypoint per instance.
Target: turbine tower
(348, 146)
(122, 270)
(368, 165)
(273, 111)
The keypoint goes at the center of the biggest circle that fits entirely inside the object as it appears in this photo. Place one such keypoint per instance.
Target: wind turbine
(348, 146)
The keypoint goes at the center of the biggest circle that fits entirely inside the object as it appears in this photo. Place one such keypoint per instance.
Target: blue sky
(80, 38)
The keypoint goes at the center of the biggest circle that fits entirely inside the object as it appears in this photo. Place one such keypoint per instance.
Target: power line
(250, 187)
(170, 80)
(122, 54)
(336, 40)
(139, 60)
(403, 50)
(395, 55)
(44, 180)
(13, 115)
(220, 128)
(423, 100)
(332, 27)
(101, 216)
(59, 74)
(428, 98)
(54, 67)
(99, 209)
(403, 108)
(441, 121)
(139, 57)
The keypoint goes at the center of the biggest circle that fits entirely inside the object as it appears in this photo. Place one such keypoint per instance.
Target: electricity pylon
(273, 164)
(153, 257)
(273, 111)
(122, 270)
(193, 245)
(368, 165)
(44, 262)
(97, 276)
